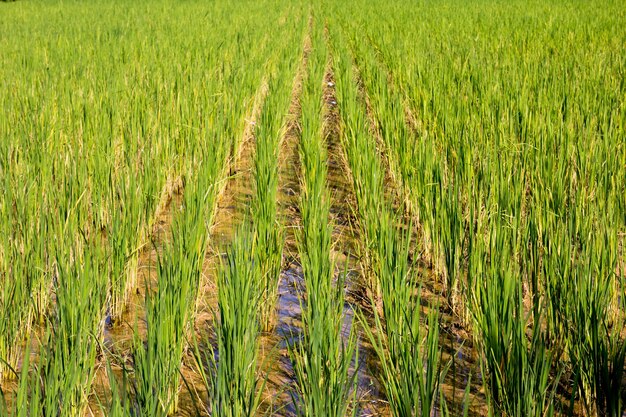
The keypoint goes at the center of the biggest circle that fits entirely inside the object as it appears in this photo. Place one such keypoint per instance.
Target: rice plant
(170, 310)
(484, 143)
(323, 357)
(518, 369)
(66, 368)
(265, 212)
(235, 386)
(403, 347)
(271, 128)
(366, 168)
(596, 353)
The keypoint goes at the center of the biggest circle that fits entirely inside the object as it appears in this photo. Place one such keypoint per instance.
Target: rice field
(272, 208)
